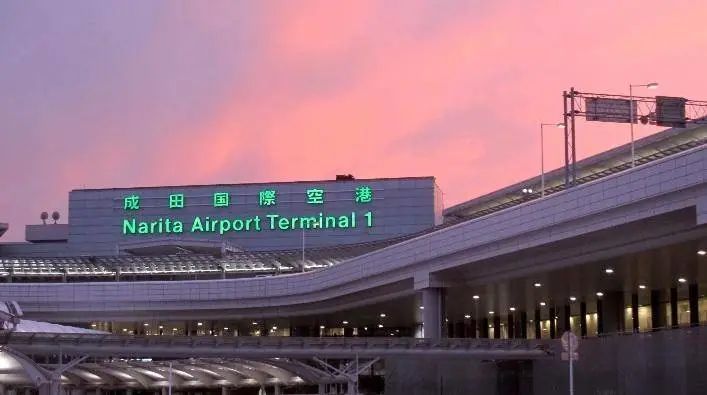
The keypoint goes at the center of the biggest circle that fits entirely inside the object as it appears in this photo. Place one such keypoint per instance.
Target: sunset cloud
(187, 93)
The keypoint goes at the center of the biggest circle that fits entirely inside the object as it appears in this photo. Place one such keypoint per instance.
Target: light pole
(650, 85)
(542, 153)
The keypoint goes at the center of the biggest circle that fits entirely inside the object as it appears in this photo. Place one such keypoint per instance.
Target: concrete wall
(670, 362)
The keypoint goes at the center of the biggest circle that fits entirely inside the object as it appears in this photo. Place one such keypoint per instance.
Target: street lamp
(542, 153)
(650, 85)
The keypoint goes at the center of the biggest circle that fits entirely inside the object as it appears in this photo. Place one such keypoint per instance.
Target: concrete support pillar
(583, 319)
(658, 316)
(511, 326)
(566, 322)
(224, 391)
(322, 389)
(459, 330)
(496, 326)
(484, 328)
(553, 329)
(432, 315)
(674, 307)
(2, 389)
(351, 388)
(28, 391)
(523, 325)
(634, 313)
(538, 329)
(693, 299)
(611, 319)
(472, 329)
(128, 391)
(276, 390)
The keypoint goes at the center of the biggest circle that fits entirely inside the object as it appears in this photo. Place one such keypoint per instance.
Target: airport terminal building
(278, 288)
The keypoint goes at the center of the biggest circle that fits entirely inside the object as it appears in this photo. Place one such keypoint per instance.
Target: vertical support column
(523, 325)
(583, 319)
(634, 313)
(472, 329)
(432, 314)
(2, 389)
(674, 307)
(322, 389)
(693, 295)
(612, 318)
(484, 328)
(511, 326)
(165, 391)
(566, 322)
(276, 390)
(657, 310)
(600, 317)
(497, 326)
(538, 328)
(553, 329)
(128, 391)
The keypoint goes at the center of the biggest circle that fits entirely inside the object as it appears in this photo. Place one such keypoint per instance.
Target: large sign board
(254, 216)
(609, 110)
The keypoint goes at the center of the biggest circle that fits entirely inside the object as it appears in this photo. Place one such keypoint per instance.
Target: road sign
(570, 342)
(609, 110)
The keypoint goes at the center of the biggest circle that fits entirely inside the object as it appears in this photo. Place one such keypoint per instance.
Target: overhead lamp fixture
(422, 307)
(542, 303)
(641, 286)
(573, 298)
(609, 270)
(537, 285)
(682, 280)
(476, 297)
(274, 328)
(512, 309)
(702, 252)
(225, 328)
(345, 322)
(600, 294)
(467, 316)
(380, 325)
(146, 324)
(199, 323)
(490, 312)
(652, 85)
(527, 191)
(382, 315)
(560, 125)
(160, 327)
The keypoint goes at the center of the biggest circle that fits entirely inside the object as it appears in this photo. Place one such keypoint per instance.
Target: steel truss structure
(574, 105)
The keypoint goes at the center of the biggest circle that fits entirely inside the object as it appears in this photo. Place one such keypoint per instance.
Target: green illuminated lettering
(128, 226)
(224, 226)
(283, 223)
(131, 202)
(272, 218)
(143, 228)
(178, 227)
(197, 226)
(369, 219)
(364, 194)
(176, 200)
(315, 196)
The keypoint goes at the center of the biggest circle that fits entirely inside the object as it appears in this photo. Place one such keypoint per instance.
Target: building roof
(240, 262)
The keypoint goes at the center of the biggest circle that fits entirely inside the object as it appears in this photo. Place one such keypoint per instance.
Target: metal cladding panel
(101, 220)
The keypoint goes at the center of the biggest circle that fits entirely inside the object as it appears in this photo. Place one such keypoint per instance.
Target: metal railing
(110, 345)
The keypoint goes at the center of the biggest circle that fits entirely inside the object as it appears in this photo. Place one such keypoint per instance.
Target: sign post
(570, 343)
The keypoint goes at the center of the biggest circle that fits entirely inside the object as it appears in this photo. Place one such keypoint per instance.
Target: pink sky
(155, 93)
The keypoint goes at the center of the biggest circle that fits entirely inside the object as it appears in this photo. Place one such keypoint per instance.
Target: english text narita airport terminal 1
(256, 223)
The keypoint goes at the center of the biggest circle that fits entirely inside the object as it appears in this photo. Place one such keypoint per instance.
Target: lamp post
(542, 153)
(650, 85)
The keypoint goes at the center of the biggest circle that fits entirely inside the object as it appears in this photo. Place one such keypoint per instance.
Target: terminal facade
(619, 259)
